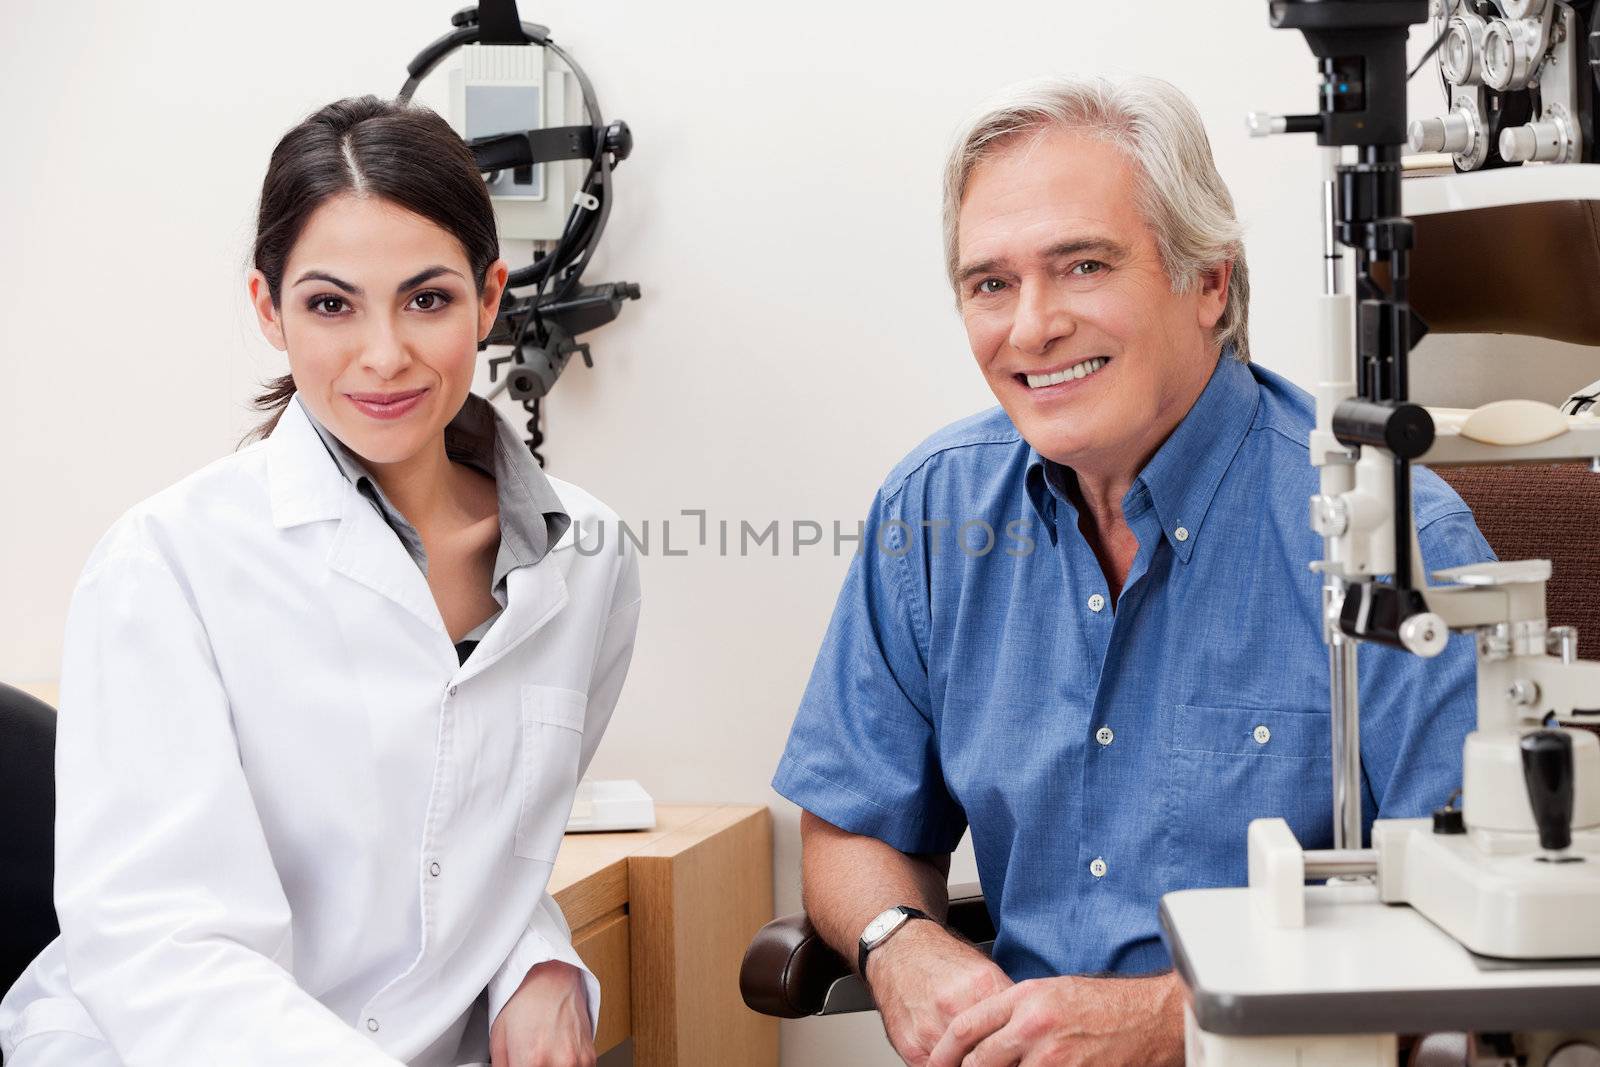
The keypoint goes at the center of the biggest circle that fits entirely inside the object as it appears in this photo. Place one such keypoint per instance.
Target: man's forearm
(847, 879)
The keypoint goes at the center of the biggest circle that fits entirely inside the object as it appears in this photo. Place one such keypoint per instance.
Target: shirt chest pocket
(551, 743)
(1227, 766)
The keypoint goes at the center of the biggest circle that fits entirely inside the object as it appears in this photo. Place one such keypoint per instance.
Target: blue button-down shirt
(976, 671)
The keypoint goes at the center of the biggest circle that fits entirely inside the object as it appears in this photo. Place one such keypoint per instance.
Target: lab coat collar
(367, 551)
(306, 485)
(534, 595)
(532, 518)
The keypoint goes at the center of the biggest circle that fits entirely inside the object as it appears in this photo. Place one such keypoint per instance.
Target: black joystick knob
(1547, 772)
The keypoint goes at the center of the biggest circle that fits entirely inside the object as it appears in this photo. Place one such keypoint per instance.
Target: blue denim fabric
(957, 685)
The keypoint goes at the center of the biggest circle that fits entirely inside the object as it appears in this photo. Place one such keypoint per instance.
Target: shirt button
(1261, 734)
(372, 1024)
(1096, 602)
(1104, 735)
(452, 690)
(1181, 533)
(433, 869)
(1097, 867)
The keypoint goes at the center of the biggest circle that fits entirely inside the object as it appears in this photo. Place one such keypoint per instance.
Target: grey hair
(1180, 194)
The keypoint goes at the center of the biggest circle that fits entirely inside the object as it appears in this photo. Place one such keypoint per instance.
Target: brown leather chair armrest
(790, 972)
(788, 969)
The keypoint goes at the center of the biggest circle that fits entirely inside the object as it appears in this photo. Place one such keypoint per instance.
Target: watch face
(880, 926)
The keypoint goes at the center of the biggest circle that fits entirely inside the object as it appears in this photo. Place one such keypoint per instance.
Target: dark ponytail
(403, 153)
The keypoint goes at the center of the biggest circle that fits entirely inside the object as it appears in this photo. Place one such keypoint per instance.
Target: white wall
(780, 211)
(1465, 370)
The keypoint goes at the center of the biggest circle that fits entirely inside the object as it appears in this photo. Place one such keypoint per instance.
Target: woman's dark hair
(404, 153)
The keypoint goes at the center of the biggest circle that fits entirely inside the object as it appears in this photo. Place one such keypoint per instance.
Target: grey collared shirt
(531, 516)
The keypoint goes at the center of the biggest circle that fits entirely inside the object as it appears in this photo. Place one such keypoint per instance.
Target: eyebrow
(355, 290)
(1103, 245)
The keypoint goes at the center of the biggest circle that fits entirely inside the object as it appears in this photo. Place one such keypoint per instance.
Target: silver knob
(1518, 144)
(1330, 515)
(1537, 142)
(1264, 123)
(1424, 635)
(1524, 692)
(1562, 641)
(1449, 133)
(1426, 135)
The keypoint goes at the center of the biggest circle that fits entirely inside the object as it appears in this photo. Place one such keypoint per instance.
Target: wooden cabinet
(662, 917)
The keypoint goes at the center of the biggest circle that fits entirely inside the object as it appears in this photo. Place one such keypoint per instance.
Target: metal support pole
(1341, 863)
(1344, 690)
(1346, 723)
(1332, 251)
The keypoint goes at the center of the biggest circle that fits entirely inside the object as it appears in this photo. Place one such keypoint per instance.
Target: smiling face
(381, 322)
(1068, 307)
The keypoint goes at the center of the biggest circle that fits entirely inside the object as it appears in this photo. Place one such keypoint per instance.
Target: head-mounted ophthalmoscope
(542, 327)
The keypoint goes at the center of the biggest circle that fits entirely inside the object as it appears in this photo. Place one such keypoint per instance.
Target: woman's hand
(546, 1021)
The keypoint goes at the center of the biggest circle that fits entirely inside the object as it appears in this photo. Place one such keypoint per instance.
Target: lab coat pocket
(1229, 765)
(552, 736)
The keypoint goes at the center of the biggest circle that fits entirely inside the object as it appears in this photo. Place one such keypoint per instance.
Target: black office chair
(27, 831)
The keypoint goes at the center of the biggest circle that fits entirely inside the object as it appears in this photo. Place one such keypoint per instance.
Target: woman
(324, 703)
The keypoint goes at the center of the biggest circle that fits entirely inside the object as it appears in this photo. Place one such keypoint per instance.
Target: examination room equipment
(510, 102)
(1482, 921)
(1519, 78)
(1486, 917)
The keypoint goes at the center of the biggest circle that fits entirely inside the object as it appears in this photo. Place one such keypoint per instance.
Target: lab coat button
(1261, 734)
(1104, 735)
(372, 1024)
(1096, 602)
(1097, 867)
(433, 869)
(452, 690)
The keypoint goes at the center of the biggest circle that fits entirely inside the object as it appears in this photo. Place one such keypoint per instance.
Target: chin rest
(790, 972)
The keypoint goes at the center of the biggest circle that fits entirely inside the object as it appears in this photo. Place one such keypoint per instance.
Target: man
(1112, 688)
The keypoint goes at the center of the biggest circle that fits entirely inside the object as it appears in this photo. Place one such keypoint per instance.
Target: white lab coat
(290, 828)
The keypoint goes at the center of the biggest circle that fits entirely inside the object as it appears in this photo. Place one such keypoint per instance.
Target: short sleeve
(1416, 713)
(863, 752)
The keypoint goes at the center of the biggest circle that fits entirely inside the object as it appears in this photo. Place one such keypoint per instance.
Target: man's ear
(1213, 293)
(268, 317)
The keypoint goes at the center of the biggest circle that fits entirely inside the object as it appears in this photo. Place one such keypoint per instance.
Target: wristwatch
(882, 929)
